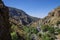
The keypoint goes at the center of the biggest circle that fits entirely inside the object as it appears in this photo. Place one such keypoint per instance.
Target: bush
(58, 22)
(51, 30)
(48, 36)
(45, 37)
(58, 30)
(30, 29)
(14, 36)
(45, 28)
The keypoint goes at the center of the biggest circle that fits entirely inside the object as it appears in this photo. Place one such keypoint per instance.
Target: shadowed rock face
(4, 22)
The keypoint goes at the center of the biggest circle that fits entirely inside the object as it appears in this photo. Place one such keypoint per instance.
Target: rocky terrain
(45, 26)
(53, 17)
(18, 17)
(51, 20)
(26, 27)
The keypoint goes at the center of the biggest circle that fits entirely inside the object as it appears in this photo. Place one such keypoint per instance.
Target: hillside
(18, 25)
(53, 17)
(46, 27)
(18, 17)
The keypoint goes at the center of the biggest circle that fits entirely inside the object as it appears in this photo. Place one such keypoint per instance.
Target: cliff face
(4, 22)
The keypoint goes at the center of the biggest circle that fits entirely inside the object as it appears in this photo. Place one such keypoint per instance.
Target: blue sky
(37, 8)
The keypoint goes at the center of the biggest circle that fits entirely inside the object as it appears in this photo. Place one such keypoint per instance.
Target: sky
(36, 8)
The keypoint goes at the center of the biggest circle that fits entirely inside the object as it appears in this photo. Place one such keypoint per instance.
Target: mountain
(53, 17)
(19, 17)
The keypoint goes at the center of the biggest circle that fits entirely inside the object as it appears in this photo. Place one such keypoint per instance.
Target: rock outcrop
(4, 22)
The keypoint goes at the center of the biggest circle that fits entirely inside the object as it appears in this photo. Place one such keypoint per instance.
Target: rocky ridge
(20, 17)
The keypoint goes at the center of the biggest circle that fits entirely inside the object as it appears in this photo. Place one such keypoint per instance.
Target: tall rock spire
(4, 22)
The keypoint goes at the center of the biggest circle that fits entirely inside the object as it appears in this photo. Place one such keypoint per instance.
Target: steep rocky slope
(53, 17)
(19, 17)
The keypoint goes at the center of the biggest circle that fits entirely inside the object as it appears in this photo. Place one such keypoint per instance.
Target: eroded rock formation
(4, 22)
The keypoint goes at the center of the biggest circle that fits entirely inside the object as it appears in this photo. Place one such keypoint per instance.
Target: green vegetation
(13, 33)
(57, 30)
(58, 23)
(45, 28)
(48, 32)
(50, 29)
(14, 36)
(30, 29)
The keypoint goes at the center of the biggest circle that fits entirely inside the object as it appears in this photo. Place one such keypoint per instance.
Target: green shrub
(48, 36)
(14, 36)
(45, 28)
(58, 30)
(26, 29)
(58, 22)
(51, 30)
(45, 37)
(30, 29)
